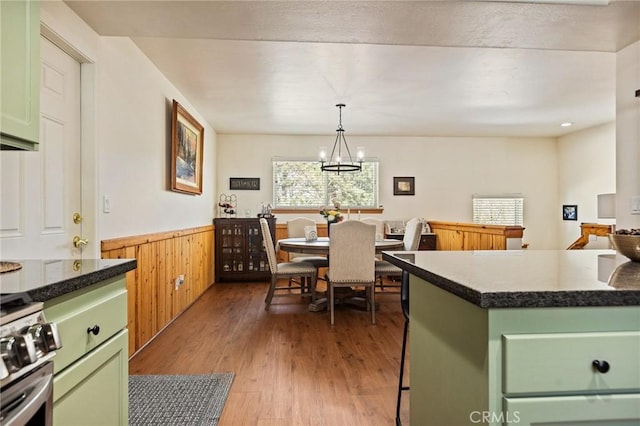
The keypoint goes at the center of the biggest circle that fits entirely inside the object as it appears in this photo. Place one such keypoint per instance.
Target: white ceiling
(421, 68)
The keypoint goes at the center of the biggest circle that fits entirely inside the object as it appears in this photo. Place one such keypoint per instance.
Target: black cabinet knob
(601, 366)
(93, 330)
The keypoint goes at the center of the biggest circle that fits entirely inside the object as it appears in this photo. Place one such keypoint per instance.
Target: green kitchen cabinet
(20, 74)
(91, 369)
(525, 366)
(94, 390)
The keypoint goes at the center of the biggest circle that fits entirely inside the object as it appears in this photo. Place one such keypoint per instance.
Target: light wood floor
(291, 366)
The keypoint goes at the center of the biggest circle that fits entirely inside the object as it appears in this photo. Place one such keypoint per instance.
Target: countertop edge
(60, 288)
(521, 299)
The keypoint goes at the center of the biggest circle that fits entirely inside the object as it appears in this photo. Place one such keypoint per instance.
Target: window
(498, 209)
(301, 183)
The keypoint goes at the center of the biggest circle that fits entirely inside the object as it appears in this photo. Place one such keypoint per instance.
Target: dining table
(320, 246)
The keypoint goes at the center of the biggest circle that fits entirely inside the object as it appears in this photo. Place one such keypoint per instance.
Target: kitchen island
(523, 337)
(87, 302)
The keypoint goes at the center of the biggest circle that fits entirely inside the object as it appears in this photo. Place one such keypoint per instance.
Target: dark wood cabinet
(239, 251)
(427, 241)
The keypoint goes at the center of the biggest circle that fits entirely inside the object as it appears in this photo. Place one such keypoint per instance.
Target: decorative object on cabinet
(339, 160)
(166, 399)
(265, 210)
(187, 140)
(227, 206)
(569, 212)
(250, 184)
(239, 250)
(404, 186)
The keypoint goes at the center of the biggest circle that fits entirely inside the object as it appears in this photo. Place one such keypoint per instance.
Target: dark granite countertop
(44, 280)
(528, 278)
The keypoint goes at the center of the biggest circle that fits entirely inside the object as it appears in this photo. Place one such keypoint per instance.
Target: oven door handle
(25, 405)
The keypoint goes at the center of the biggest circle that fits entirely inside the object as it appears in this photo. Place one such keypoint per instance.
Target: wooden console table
(474, 236)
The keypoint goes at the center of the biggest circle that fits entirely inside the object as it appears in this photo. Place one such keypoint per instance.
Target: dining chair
(286, 270)
(352, 262)
(295, 229)
(379, 229)
(379, 223)
(411, 240)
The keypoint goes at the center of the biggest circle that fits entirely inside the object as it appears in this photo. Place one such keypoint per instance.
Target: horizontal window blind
(498, 209)
(301, 183)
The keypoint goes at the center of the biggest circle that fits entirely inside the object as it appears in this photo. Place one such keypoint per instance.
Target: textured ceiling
(450, 68)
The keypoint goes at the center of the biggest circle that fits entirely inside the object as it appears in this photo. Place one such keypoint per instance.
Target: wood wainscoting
(473, 236)
(153, 299)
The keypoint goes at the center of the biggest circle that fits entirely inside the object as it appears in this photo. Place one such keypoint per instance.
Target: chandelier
(340, 159)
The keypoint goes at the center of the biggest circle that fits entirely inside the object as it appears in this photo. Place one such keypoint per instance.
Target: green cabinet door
(95, 391)
(20, 74)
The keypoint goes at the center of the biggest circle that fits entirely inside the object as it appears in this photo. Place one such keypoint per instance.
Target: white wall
(128, 123)
(627, 135)
(134, 128)
(586, 168)
(447, 171)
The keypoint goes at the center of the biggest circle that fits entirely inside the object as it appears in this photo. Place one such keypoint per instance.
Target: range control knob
(45, 337)
(17, 351)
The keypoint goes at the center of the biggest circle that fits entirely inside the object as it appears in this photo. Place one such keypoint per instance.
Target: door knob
(79, 242)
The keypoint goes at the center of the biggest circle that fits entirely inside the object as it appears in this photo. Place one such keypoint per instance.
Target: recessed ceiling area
(431, 68)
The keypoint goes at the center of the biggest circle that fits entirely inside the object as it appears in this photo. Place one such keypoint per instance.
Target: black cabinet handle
(601, 366)
(96, 329)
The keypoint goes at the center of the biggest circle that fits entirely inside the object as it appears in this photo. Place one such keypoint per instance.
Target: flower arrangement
(332, 215)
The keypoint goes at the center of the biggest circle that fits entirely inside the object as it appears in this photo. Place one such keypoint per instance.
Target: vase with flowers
(332, 216)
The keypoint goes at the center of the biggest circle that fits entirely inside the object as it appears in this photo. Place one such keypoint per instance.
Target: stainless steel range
(27, 344)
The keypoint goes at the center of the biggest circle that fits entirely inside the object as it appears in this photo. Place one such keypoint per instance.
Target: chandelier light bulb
(323, 153)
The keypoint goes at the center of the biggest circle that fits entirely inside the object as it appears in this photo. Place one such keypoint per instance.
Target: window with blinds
(301, 183)
(498, 209)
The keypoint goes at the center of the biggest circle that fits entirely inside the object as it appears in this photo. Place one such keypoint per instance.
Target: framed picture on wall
(569, 212)
(251, 184)
(404, 186)
(187, 139)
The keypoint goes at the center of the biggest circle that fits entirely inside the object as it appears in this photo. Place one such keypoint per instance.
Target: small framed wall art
(404, 186)
(249, 184)
(187, 140)
(569, 212)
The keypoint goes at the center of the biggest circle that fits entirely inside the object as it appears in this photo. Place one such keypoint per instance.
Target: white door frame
(88, 141)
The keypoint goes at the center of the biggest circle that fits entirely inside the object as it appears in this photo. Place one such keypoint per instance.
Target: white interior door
(40, 191)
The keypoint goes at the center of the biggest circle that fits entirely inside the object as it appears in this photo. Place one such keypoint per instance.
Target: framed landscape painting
(187, 138)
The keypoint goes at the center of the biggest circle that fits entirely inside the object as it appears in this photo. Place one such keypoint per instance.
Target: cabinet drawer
(562, 362)
(583, 410)
(103, 305)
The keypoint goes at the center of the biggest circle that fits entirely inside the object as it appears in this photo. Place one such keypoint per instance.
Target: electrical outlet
(179, 281)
